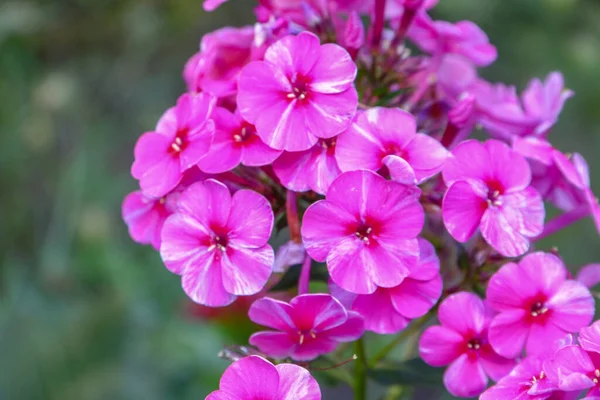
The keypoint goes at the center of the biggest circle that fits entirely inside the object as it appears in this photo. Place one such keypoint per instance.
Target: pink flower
(577, 368)
(309, 326)
(527, 381)
(223, 54)
(389, 310)
(386, 137)
(145, 216)
(313, 169)
(463, 38)
(218, 243)
(537, 305)
(462, 343)
(183, 136)
(235, 142)
(301, 92)
(366, 230)
(253, 378)
(489, 189)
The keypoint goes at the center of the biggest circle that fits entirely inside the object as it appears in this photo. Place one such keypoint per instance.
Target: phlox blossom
(301, 92)
(536, 305)
(253, 378)
(461, 341)
(218, 243)
(309, 326)
(182, 137)
(365, 230)
(388, 137)
(489, 190)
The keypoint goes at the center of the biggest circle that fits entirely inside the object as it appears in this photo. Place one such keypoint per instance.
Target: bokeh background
(84, 312)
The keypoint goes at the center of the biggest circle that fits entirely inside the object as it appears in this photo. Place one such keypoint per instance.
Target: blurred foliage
(84, 312)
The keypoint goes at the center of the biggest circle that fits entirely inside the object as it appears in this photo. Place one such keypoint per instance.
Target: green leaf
(318, 272)
(412, 372)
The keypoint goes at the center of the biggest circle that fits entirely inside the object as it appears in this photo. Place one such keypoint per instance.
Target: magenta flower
(235, 142)
(577, 368)
(366, 230)
(145, 216)
(218, 243)
(183, 136)
(223, 53)
(309, 326)
(389, 310)
(489, 189)
(253, 378)
(301, 92)
(387, 137)
(463, 38)
(461, 341)
(313, 169)
(527, 381)
(537, 305)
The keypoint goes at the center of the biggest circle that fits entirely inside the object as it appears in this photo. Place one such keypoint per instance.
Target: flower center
(179, 142)
(596, 377)
(364, 232)
(302, 335)
(493, 198)
(299, 89)
(535, 379)
(244, 134)
(218, 242)
(328, 144)
(538, 308)
(474, 344)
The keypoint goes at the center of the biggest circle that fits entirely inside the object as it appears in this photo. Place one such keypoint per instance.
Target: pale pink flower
(389, 310)
(182, 137)
(218, 243)
(461, 342)
(536, 305)
(366, 230)
(388, 137)
(309, 326)
(313, 169)
(301, 92)
(489, 190)
(253, 378)
(235, 142)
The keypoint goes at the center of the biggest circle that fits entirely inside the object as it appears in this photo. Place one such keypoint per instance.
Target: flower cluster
(313, 140)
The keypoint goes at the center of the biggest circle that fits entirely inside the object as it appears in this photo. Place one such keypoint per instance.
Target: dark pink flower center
(180, 141)
(393, 149)
(246, 133)
(364, 232)
(328, 144)
(306, 335)
(538, 309)
(535, 379)
(300, 88)
(218, 242)
(474, 344)
(595, 376)
(495, 191)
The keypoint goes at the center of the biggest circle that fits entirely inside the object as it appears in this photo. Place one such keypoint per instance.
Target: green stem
(414, 328)
(360, 371)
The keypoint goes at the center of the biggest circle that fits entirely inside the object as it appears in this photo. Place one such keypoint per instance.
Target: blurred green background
(84, 312)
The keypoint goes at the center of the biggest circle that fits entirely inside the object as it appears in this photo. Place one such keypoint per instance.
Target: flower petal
(208, 202)
(497, 230)
(426, 156)
(413, 298)
(462, 210)
(251, 377)
(439, 346)
(184, 243)
(317, 311)
(272, 313)
(251, 219)
(572, 306)
(462, 312)
(334, 71)
(589, 338)
(273, 344)
(508, 332)
(203, 283)
(246, 271)
(465, 377)
(296, 383)
(352, 329)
